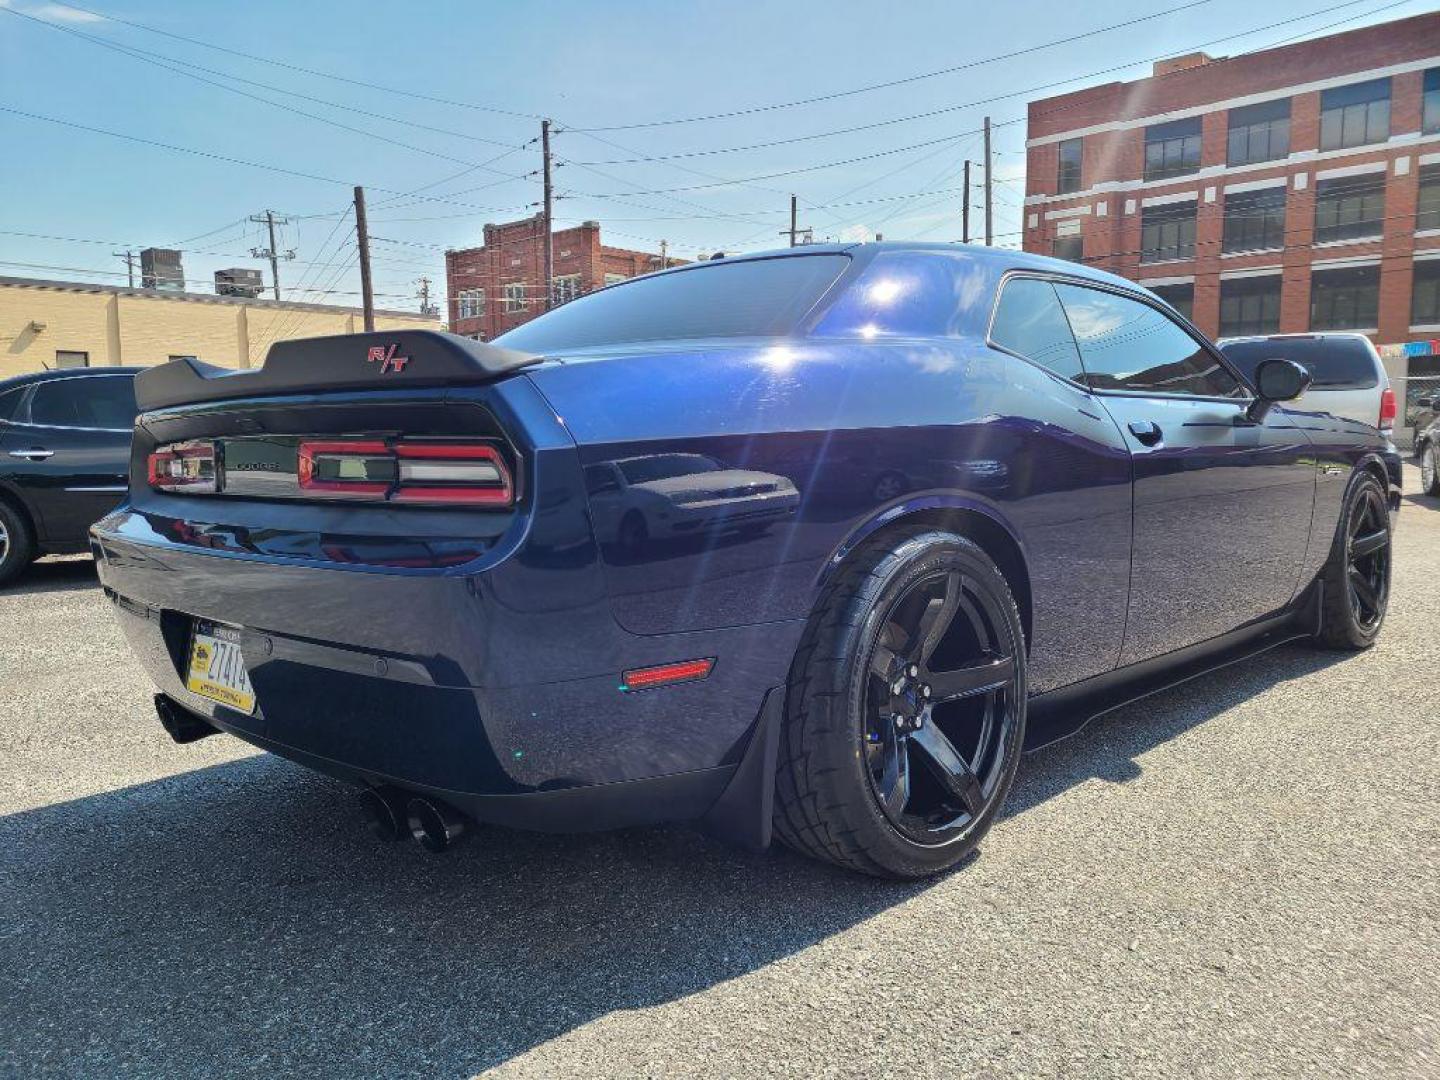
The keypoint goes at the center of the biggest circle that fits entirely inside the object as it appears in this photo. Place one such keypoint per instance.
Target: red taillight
(186, 467)
(1388, 410)
(665, 674)
(452, 473)
(434, 473)
(348, 469)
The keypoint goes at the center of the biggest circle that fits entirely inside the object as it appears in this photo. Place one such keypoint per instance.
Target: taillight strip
(312, 452)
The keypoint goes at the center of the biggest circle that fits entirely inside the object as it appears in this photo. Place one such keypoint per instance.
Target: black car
(64, 459)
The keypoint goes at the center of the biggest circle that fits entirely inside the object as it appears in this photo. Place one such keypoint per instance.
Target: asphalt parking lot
(1240, 877)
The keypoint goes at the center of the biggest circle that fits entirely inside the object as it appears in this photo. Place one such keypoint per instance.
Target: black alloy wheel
(905, 712)
(940, 699)
(1367, 554)
(1355, 582)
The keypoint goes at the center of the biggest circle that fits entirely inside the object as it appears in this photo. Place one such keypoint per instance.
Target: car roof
(997, 259)
(64, 373)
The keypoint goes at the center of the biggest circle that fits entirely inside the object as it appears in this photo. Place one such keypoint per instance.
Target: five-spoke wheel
(906, 710)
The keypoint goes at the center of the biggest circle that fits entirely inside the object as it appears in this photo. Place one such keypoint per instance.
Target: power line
(902, 81)
(363, 83)
(253, 97)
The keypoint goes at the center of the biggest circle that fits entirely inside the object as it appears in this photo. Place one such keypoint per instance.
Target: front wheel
(1356, 577)
(905, 714)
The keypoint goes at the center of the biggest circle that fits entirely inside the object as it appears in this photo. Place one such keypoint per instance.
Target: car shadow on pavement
(238, 919)
(55, 575)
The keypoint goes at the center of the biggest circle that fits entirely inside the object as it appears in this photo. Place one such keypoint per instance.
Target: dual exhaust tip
(394, 814)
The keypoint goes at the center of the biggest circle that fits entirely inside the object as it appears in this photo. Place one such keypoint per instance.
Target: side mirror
(1277, 380)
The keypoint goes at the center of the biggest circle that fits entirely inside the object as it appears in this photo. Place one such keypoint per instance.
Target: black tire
(1430, 469)
(1356, 577)
(828, 802)
(17, 543)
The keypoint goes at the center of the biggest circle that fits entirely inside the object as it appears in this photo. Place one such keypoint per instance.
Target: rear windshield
(759, 298)
(1338, 363)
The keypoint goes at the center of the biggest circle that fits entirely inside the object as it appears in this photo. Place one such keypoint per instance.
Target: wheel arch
(974, 521)
(12, 499)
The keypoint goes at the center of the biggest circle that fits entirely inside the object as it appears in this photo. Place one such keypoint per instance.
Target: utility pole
(989, 175)
(270, 219)
(426, 308)
(792, 220)
(129, 257)
(664, 255)
(362, 238)
(965, 205)
(549, 215)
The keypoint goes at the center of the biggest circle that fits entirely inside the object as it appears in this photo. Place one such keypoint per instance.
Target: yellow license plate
(217, 669)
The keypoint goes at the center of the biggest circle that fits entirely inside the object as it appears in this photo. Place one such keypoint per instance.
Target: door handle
(35, 454)
(1146, 431)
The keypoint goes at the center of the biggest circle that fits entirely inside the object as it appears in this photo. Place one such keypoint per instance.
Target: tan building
(50, 324)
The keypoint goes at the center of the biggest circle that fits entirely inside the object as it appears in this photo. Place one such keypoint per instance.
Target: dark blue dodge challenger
(793, 542)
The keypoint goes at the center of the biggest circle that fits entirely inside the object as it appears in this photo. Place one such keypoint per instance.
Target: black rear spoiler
(388, 360)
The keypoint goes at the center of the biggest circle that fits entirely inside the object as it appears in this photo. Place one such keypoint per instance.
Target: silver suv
(1350, 380)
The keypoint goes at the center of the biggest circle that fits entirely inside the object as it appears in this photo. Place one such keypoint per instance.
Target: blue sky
(497, 66)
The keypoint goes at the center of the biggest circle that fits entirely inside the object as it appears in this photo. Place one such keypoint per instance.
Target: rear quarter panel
(864, 432)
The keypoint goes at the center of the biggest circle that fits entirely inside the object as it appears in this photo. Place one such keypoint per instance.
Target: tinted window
(1128, 345)
(1167, 232)
(1346, 299)
(1172, 149)
(1030, 321)
(1336, 363)
(1255, 220)
(105, 402)
(761, 298)
(10, 401)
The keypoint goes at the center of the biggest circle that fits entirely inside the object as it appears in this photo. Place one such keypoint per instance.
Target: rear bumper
(495, 688)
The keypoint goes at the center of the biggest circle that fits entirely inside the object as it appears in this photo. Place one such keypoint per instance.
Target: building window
(1355, 115)
(1167, 232)
(471, 303)
(1068, 177)
(1250, 306)
(1069, 248)
(1428, 212)
(1347, 299)
(615, 279)
(1259, 133)
(514, 296)
(67, 359)
(1172, 149)
(1255, 220)
(1425, 298)
(563, 289)
(1349, 207)
(1430, 111)
(1179, 297)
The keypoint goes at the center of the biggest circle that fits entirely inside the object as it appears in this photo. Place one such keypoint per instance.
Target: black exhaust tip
(436, 826)
(384, 809)
(180, 723)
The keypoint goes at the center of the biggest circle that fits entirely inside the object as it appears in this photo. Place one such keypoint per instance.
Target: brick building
(498, 286)
(1292, 189)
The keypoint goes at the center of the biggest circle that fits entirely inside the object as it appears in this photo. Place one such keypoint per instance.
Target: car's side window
(103, 402)
(1128, 345)
(10, 403)
(1029, 321)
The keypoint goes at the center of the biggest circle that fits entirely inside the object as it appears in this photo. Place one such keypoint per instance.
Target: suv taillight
(183, 467)
(1388, 410)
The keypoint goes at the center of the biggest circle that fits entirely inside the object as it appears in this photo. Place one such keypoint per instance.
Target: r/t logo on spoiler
(388, 360)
